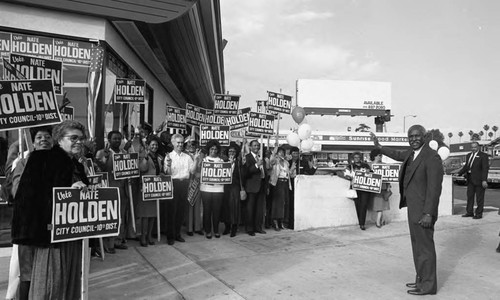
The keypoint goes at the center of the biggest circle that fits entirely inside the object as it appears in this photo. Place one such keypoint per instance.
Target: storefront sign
(261, 123)
(72, 52)
(125, 165)
(39, 68)
(195, 116)
(367, 182)
(68, 113)
(130, 91)
(216, 173)
(104, 178)
(226, 104)
(95, 181)
(212, 118)
(389, 172)
(176, 118)
(157, 187)
(219, 133)
(27, 103)
(77, 214)
(240, 120)
(367, 138)
(279, 103)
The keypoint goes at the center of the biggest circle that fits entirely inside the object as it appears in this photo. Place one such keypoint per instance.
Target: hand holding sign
(79, 185)
(169, 161)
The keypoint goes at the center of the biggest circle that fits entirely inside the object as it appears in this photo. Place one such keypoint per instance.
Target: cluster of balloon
(442, 150)
(303, 133)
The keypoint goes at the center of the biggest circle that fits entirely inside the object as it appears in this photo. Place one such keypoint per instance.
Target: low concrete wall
(320, 202)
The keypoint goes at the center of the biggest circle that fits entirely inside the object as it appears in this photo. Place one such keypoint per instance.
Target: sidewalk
(329, 263)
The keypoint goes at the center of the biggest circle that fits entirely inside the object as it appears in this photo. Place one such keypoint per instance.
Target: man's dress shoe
(411, 285)
(251, 233)
(260, 231)
(476, 217)
(467, 215)
(180, 239)
(419, 292)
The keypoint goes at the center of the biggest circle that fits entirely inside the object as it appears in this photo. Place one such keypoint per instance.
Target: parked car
(458, 179)
(494, 172)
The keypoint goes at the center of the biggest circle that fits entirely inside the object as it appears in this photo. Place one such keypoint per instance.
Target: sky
(440, 56)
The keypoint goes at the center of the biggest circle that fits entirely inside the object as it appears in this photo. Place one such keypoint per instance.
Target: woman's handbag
(351, 194)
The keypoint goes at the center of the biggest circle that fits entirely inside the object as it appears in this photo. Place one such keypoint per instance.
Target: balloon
(293, 139)
(304, 131)
(433, 144)
(306, 145)
(444, 152)
(298, 114)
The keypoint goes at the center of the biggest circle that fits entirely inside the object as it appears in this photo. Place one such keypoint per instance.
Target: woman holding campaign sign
(151, 164)
(232, 197)
(280, 180)
(212, 194)
(363, 198)
(56, 272)
(381, 200)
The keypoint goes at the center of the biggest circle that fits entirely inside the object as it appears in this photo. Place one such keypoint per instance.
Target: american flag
(94, 81)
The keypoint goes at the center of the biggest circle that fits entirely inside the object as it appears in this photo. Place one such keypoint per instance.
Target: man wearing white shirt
(180, 166)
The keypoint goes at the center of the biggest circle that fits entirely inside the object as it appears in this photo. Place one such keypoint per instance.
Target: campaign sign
(389, 172)
(77, 214)
(368, 182)
(5, 44)
(216, 173)
(68, 113)
(95, 181)
(27, 103)
(240, 120)
(195, 116)
(260, 123)
(262, 107)
(10, 72)
(157, 187)
(72, 52)
(279, 103)
(130, 90)
(176, 118)
(125, 165)
(39, 68)
(38, 46)
(212, 118)
(219, 133)
(226, 104)
(104, 178)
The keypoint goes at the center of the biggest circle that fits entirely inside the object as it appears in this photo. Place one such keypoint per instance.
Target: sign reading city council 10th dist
(130, 91)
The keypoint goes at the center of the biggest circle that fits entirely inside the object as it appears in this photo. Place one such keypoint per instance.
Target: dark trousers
(361, 204)
(255, 210)
(212, 203)
(478, 192)
(175, 209)
(424, 256)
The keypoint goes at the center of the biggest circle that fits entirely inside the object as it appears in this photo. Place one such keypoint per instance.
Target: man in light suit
(255, 170)
(420, 181)
(476, 172)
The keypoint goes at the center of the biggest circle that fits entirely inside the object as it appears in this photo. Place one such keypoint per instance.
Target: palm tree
(486, 128)
(475, 137)
(449, 137)
(481, 133)
(490, 134)
(363, 128)
(471, 133)
(495, 128)
(460, 135)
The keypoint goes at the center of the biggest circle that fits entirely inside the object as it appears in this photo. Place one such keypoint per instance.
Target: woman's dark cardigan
(32, 215)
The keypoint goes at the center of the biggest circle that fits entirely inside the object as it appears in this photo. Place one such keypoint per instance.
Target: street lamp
(404, 121)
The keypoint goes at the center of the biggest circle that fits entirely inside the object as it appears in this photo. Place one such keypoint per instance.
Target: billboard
(352, 98)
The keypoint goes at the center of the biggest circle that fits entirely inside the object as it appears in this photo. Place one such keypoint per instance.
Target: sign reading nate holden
(226, 104)
(39, 68)
(367, 182)
(195, 116)
(125, 165)
(260, 123)
(157, 187)
(78, 214)
(176, 118)
(130, 91)
(219, 133)
(216, 173)
(27, 103)
(279, 103)
(389, 172)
